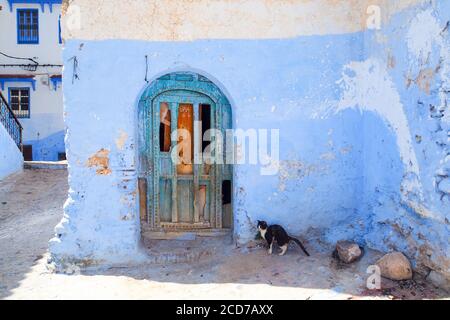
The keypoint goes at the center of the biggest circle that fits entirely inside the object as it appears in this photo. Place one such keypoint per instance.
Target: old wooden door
(188, 193)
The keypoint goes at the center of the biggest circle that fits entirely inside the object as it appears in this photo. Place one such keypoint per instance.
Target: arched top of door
(187, 81)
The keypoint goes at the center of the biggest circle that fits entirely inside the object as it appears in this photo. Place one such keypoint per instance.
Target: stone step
(183, 235)
(52, 165)
(185, 251)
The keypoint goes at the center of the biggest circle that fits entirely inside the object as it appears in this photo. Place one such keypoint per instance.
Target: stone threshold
(52, 165)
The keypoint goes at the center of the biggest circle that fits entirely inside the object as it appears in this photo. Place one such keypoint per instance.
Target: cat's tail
(300, 245)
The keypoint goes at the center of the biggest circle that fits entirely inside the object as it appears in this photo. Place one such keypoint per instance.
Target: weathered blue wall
(410, 207)
(11, 159)
(270, 84)
(363, 121)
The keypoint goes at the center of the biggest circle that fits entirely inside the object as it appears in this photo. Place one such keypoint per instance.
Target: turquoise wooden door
(187, 188)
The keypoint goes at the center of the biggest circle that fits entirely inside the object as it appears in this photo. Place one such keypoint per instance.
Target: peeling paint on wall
(424, 79)
(101, 162)
(403, 219)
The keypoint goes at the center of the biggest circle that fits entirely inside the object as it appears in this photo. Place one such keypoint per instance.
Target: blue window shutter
(27, 26)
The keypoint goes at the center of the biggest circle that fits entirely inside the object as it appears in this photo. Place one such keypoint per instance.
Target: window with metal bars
(27, 26)
(19, 101)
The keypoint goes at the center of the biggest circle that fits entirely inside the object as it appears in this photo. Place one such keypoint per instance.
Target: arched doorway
(185, 182)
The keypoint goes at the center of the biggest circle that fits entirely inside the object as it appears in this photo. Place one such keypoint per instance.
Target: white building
(30, 73)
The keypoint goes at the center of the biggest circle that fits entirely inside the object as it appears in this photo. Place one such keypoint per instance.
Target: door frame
(197, 84)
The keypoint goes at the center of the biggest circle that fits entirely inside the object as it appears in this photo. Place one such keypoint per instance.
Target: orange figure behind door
(185, 139)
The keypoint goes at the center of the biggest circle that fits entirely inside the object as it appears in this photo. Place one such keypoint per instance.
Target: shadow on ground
(249, 272)
(30, 206)
(206, 268)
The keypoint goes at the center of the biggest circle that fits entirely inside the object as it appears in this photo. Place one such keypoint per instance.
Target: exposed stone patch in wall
(100, 160)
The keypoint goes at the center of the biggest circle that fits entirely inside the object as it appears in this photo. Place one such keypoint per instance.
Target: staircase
(9, 120)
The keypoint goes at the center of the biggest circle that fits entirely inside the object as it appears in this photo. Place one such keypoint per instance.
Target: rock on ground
(348, 251)
(395, 266)
(439, 280)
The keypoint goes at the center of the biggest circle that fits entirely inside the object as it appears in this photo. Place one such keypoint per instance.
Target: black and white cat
(277, 233)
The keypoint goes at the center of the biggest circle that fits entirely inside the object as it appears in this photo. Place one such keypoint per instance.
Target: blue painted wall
(362, 154)
(48, 148)
(270, 84)
(410, 212)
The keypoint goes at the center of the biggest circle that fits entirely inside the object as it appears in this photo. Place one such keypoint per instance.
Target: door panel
(187, 195)
(165, 200)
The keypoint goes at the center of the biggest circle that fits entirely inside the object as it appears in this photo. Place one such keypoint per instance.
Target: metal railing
(10, 122)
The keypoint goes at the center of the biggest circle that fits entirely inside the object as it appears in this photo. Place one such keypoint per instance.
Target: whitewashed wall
(11, 159)
(44, 130)
(48, 50)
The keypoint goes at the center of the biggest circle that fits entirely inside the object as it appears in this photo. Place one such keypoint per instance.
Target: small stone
(439, 280)
(348, 252)
(395, 266)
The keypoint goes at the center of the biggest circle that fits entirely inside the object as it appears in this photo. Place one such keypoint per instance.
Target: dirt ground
(31, 205)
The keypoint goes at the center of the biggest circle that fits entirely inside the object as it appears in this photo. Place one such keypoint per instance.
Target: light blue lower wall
(48, 148)
(45, 132)
(11, 160)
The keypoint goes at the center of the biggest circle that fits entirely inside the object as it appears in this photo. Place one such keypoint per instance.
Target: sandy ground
(31, 205)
